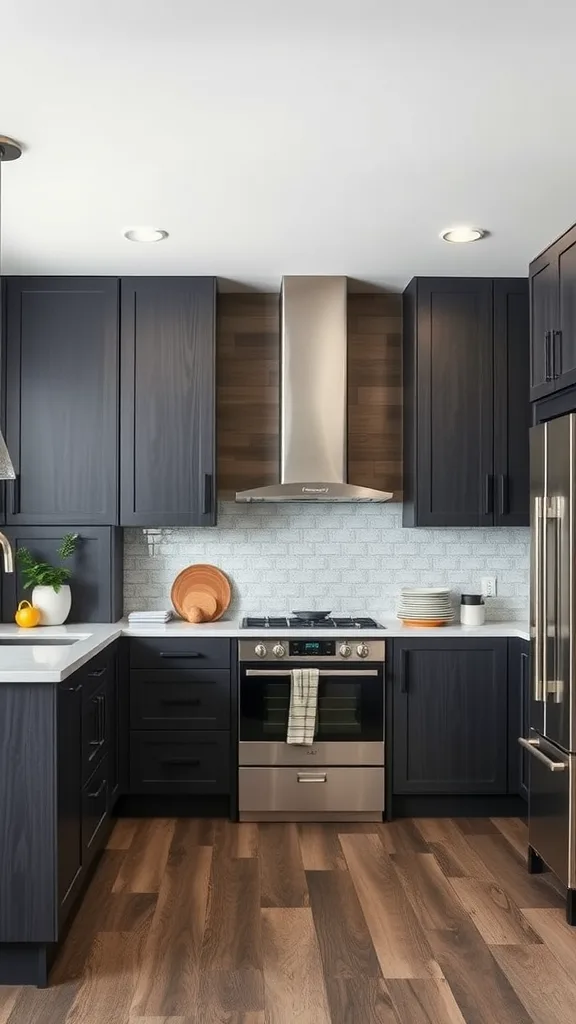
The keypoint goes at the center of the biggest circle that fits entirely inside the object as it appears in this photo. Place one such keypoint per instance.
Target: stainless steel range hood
(313, 397)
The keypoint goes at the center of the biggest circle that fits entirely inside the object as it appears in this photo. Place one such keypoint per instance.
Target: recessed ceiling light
(463, 234)
(145, 234)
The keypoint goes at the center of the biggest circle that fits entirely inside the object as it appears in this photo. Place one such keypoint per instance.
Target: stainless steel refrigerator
(552, 738)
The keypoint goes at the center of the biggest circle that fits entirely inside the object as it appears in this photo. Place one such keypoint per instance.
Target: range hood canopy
(313, 396)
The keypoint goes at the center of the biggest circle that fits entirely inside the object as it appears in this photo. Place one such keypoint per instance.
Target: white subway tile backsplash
(351, 559)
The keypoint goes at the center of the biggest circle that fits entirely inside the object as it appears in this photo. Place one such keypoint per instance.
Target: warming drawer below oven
(311, 794)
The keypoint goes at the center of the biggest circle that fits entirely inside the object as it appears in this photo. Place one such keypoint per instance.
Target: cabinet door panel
(450, 717)
(69, 792)
(543, 321)
(564, 364)
(511, 403)
(455, 403)
(62, 399)
(167, 409)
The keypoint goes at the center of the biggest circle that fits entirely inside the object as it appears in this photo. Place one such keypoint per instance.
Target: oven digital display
(312, 648)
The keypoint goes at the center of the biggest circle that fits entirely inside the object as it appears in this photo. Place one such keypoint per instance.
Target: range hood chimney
(313, 396)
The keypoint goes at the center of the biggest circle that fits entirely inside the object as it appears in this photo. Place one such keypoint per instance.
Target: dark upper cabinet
(450, 716)
(511, 492)
(553, 317)
(466, 402)
(167, 340)
(62, 399)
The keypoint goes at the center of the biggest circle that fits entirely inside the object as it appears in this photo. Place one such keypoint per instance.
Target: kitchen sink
(46, 641)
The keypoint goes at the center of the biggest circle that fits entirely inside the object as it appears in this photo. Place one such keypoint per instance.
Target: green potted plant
(50, 592)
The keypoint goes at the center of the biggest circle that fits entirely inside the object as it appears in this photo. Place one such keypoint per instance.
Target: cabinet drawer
(94, 714)
(96, 674)
(316, 790)
(195, 653)
(179, 762)
(94, 810)
(194, 700)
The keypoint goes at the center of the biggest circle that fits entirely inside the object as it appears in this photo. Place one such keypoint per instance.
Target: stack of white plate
(425, 605)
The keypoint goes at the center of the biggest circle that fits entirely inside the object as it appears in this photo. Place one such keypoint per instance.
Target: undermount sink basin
(45, 641)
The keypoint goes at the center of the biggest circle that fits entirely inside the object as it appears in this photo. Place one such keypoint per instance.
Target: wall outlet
(489, 586)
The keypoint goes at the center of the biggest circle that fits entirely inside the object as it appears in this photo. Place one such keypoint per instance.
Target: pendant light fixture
(9, 150)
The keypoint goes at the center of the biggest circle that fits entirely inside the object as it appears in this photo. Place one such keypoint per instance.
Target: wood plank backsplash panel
(248, 361)
(375, 391)
(247, 404)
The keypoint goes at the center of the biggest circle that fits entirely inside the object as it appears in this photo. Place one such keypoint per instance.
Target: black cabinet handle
(102, 701)
(182, 654)
(73, 689)
(96, 794)
(404, 671)
(503, 489)
(174, 702)
(556, 354)
(488, 494)
(192, 762)
(548, 355)
(97, 673)
(207, 506)
(16, 495)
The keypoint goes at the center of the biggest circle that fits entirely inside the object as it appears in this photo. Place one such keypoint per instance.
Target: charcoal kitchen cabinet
(466, 402)
(167, 344)
(54, 810)
(553, 317)
(62, 366)
(180, 717)
(450, 717)
(519, 713)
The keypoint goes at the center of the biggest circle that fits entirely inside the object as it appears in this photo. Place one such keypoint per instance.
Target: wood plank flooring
(424, 921)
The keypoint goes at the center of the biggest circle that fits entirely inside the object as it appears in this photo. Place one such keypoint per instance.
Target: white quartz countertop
(38, 663)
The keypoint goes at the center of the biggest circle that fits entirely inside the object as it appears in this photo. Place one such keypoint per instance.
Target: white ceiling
(312, 136)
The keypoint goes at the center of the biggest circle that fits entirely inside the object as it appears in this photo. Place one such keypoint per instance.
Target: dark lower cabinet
(55, 811)
(69, 799)
(181, 717)
(450, 717)
(519, 713)
(62, 365)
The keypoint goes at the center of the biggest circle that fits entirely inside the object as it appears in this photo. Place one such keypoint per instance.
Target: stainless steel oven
(339, 777)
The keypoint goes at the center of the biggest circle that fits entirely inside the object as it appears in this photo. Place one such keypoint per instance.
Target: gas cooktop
(283, 622)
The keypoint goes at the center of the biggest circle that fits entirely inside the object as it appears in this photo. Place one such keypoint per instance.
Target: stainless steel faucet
(6, 553)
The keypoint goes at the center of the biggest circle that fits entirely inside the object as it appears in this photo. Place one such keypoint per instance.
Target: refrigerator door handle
(537, 668)
(533, 746)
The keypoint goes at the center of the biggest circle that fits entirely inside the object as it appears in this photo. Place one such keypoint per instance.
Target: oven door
(350, 720)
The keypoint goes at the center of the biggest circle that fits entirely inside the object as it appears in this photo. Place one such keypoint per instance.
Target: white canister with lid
(472, 610)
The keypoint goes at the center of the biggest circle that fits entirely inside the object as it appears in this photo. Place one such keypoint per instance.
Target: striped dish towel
(303, 706)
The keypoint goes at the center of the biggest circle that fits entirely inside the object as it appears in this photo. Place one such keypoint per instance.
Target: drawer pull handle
(94, 796)
(97, 673)
(180, 702)
(190, 761)
(312, 778)
(182, 654)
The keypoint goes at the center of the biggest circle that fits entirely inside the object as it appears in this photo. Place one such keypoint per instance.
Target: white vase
(54, 607)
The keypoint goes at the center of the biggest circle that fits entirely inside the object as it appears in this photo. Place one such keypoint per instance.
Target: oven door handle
(322, 672)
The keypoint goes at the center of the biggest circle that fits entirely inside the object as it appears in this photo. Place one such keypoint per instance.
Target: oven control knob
(362, 651)
(260, 650)
(345, 650)
(279, 650)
